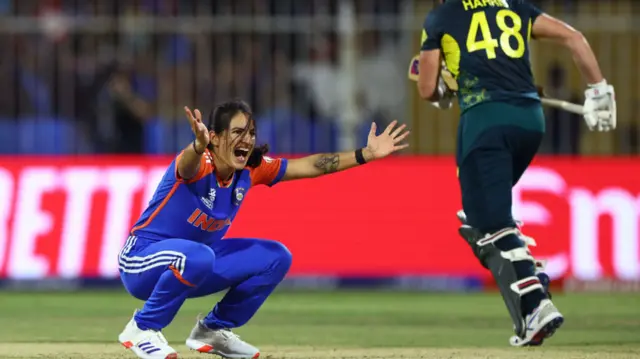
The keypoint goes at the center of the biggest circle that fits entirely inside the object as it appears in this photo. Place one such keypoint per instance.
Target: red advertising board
(67, 217)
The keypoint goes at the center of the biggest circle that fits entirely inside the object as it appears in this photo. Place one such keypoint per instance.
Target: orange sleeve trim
(265, 173)
(178, 158)
(205, 168)
(160, 206)
(180, 278)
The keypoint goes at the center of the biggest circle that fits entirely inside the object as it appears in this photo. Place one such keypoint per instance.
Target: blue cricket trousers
(165, 273)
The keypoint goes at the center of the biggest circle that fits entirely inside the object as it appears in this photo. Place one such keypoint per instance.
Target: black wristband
(194, 148)
(360, 157)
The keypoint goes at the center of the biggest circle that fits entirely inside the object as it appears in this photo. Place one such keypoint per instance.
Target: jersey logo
(267, 159)
(209, 201)
(201, 220)
(238, 195)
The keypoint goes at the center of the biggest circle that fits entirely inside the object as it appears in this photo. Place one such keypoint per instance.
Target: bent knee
(285, 257)
(201, 256)
(196, 265)
(141, 292)
(280, 256)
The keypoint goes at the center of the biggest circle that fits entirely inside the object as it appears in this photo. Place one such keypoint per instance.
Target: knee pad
(540, 265)
(506, 268)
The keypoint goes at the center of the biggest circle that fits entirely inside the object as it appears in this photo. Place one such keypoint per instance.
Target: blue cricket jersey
(202, 208)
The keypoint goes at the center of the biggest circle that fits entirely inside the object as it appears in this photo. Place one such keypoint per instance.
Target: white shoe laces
(156, 337)
(226, 334)
(229, 335)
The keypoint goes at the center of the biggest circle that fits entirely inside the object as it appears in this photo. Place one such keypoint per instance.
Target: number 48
(488, 43)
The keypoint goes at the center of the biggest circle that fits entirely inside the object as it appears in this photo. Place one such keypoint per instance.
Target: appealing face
(236, 143)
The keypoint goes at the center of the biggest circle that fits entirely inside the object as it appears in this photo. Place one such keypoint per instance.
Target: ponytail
(255, 158)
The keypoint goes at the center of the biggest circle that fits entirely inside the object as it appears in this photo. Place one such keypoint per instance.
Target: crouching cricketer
(176, 250)
(485, 45)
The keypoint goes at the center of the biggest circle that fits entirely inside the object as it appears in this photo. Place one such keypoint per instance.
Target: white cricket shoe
(222, 342)
(542, 323)
(146, 344)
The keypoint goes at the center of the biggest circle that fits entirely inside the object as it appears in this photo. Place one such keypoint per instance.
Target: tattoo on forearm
(328, 163)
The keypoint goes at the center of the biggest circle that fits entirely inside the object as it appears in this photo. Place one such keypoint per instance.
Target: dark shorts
(496, 143)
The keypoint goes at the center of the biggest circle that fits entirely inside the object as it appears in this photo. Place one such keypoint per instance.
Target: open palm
(199, 129)
(389, 141)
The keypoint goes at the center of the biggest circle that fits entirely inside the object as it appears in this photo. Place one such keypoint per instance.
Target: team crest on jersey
(238, 195)
(209, 201)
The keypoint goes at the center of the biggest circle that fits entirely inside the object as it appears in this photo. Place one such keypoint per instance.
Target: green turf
(333, 319)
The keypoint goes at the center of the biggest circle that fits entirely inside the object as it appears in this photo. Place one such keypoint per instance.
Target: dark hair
(220, 121)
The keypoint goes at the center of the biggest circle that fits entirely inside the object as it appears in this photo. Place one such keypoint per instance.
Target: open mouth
(241, 153)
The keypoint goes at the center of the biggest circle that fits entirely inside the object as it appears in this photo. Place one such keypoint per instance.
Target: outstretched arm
(188, 165)
(321, 164)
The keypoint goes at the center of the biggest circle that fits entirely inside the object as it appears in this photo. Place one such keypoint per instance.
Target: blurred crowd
(118, 84)
(112, 76)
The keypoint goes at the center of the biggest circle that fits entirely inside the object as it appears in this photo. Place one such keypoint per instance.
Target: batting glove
(445, 98)
(600, 107)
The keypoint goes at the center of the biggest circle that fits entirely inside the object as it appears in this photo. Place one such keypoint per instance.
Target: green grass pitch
(345, 324)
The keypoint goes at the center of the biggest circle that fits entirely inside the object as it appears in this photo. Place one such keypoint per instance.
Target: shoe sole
(208, 349)
(547, 331)
(128, 345)
(550, 329)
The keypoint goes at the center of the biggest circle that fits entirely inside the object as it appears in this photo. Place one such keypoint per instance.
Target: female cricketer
(485, 45)
(176, 249)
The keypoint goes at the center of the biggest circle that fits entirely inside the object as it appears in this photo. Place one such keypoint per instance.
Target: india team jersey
(202, 208)
(485, 44)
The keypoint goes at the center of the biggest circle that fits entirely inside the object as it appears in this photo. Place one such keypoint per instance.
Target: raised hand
(389, 141)
(199, 129)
